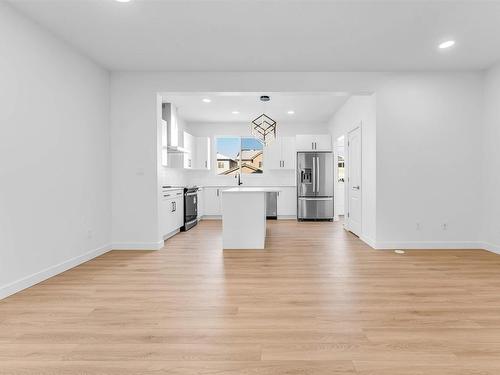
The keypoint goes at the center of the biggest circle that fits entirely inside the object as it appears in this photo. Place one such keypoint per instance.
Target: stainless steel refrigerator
(315, 186)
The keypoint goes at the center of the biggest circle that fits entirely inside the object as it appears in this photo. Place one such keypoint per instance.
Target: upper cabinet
(202, 153)
(196, 152)
(314, 142)
(189, 150)
(280, 154)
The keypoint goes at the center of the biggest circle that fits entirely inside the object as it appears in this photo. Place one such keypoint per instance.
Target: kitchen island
(244, 217)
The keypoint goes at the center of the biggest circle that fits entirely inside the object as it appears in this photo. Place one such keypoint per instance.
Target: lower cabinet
(172, 211)
(287, 201)
(212, 201)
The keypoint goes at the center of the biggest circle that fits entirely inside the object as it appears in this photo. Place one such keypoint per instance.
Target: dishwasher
(272, 205)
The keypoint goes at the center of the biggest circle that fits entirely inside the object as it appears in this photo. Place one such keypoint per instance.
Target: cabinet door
(189, 146)
(287, 202)
(305, 142)
(165, 223)
(168, 221)
(272, 155)
(323, 142)
(288, 153)
(178, 212)
(202, 157)
(212, 201)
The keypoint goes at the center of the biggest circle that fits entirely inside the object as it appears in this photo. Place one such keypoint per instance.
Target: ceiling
(275, 35)
(308, 107)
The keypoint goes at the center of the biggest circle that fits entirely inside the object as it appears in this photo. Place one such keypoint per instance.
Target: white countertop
(172, 188)
(252, 190)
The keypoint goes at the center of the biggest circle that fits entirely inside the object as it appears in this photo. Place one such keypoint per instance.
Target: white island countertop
(252, 190)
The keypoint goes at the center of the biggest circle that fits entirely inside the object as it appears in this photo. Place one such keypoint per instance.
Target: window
(251, 155)
(239, 155)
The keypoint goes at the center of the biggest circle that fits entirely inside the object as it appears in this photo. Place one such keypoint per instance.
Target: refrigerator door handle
(314, 174)
(315, 199)
(317, 174)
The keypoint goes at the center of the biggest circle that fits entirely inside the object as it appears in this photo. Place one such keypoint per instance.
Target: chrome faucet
(237, 175)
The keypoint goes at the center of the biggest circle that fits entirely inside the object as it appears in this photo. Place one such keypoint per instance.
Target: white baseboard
(427, 245)
(369, 241)
(212, 217)
(138, 245)
(491, 247)
(28, 281)
(287, 217)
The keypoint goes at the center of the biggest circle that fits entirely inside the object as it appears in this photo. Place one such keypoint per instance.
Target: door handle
(355, 187)
(317, 174)
(314, 174)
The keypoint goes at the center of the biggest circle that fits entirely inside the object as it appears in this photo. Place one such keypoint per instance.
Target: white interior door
(354, 181)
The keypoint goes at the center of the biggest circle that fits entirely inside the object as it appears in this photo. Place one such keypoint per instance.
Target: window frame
(240, 137)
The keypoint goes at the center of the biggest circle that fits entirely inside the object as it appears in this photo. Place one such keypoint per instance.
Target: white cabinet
(280, 154)
(314, 142)
(272, 155)
(202, 153)
(287, 201)
(179, 211)
(212, 201)
(189, 147)
(171, 211)
(288, 152)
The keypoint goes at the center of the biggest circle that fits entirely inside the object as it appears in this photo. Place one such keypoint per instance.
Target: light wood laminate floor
(317, 301)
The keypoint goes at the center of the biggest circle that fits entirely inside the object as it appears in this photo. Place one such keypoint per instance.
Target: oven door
(190, 209)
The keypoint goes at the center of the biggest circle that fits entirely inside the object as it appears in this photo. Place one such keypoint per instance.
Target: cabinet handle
(217, 192)
(283, 164)
(312, 145)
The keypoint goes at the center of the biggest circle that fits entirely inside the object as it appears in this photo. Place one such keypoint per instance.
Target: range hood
(169, 115)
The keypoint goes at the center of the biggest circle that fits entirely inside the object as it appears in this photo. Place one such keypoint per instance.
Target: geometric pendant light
(264, 127)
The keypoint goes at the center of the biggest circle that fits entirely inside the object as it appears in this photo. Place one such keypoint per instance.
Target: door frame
(347, 174)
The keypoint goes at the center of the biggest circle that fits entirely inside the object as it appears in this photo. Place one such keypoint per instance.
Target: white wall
(428, 153)
(269, 177)
(54, 155)
(491, 161)
(360, 110)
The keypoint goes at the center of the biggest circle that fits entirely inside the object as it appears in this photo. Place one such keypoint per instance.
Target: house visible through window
(239, 155)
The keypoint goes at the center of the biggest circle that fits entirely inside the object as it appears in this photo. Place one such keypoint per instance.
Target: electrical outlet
(418, 226)
(444, 226)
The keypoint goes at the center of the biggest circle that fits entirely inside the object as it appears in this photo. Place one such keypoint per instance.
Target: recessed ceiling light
(447, 44)
(235, 112)
(123, 1)
(206, 100)
(291, 112)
